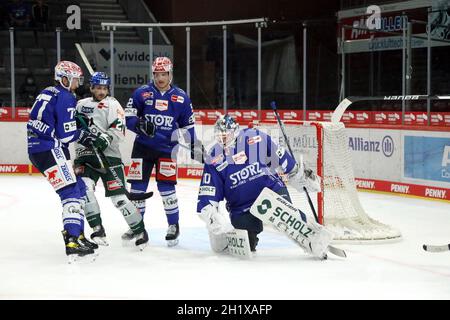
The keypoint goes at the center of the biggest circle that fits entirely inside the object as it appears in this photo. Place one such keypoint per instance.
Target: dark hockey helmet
(226, 130)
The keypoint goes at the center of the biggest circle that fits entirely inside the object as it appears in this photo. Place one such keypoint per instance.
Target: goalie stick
(431, 248)
(332, 249)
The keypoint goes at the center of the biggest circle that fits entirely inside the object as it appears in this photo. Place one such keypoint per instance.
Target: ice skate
(99, 236)
(75, 250)
(141, 240)
(83, 241)
(172, 235)
(128, 236)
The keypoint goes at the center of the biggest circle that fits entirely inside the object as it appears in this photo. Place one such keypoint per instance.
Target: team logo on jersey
(70, 126)
(175, 98)
(161, 105)
(54, 177)
(254, 140)
(240, 158)
(146, 95)
(113, 185)
(135, 169)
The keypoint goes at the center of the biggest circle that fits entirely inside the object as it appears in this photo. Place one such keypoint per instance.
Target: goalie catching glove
(301, 177)
(216, 223)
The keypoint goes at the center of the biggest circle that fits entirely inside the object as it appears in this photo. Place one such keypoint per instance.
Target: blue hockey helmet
(100, 79)
(226, 130)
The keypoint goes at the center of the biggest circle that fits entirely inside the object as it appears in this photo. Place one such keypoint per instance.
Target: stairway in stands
(97, 11)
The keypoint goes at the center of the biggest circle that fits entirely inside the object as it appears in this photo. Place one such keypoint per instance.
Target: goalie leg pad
(250, 223)
(273, 209)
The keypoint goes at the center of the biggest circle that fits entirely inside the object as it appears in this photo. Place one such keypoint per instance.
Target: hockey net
(324, 146)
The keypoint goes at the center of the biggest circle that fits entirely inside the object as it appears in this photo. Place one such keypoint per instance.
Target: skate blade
(101, 241)
(75, 259)
(141, 247)
(172, 243)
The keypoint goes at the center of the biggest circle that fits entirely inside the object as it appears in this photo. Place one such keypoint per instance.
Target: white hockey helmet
(163, 64)
(70, 70)
(226, 130)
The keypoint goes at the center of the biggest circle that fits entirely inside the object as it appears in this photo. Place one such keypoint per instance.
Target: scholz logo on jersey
(250, 172)
(160, 120)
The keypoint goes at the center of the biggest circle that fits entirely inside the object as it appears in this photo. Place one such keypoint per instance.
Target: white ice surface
(33, 264)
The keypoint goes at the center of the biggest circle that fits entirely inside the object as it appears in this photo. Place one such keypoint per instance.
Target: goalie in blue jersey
(238, 167)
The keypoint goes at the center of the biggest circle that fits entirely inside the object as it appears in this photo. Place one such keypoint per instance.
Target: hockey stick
(333, 250)
(105, 165)
(431, 248)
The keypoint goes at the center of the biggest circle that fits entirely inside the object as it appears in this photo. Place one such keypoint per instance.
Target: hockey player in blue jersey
(50, 130)
(237, 168)
(154, 112)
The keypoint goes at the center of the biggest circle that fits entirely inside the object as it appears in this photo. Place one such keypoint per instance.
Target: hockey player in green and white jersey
(105, 117)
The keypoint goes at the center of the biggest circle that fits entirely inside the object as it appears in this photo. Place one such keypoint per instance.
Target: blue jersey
(239, 174)
(168, 111)
(52, 120)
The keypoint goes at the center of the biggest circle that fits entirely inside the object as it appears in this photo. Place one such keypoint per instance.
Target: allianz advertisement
(131, 61)
(427, 158)
(376, 154)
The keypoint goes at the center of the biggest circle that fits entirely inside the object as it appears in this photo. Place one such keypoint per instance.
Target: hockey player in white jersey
(239, 168)
(103, 115)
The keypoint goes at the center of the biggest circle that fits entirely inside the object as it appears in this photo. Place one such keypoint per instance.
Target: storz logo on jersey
(250, 172)
(160, 120)
(161, 105)
(254, 140)
(386, 146)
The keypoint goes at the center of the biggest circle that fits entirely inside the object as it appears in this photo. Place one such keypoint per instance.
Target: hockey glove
(198, 152)
(305, 178)
(102, 142)
(82, 120)
(86, 138)
(216, 223)
(146, 128)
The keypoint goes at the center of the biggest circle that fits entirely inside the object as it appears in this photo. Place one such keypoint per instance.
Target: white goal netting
(324, 146)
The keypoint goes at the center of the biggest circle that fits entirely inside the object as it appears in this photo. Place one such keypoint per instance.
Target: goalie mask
(70, 71)
(226, 130)
(162, 64)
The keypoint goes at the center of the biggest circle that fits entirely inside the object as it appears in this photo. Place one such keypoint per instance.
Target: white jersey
(108, 117)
